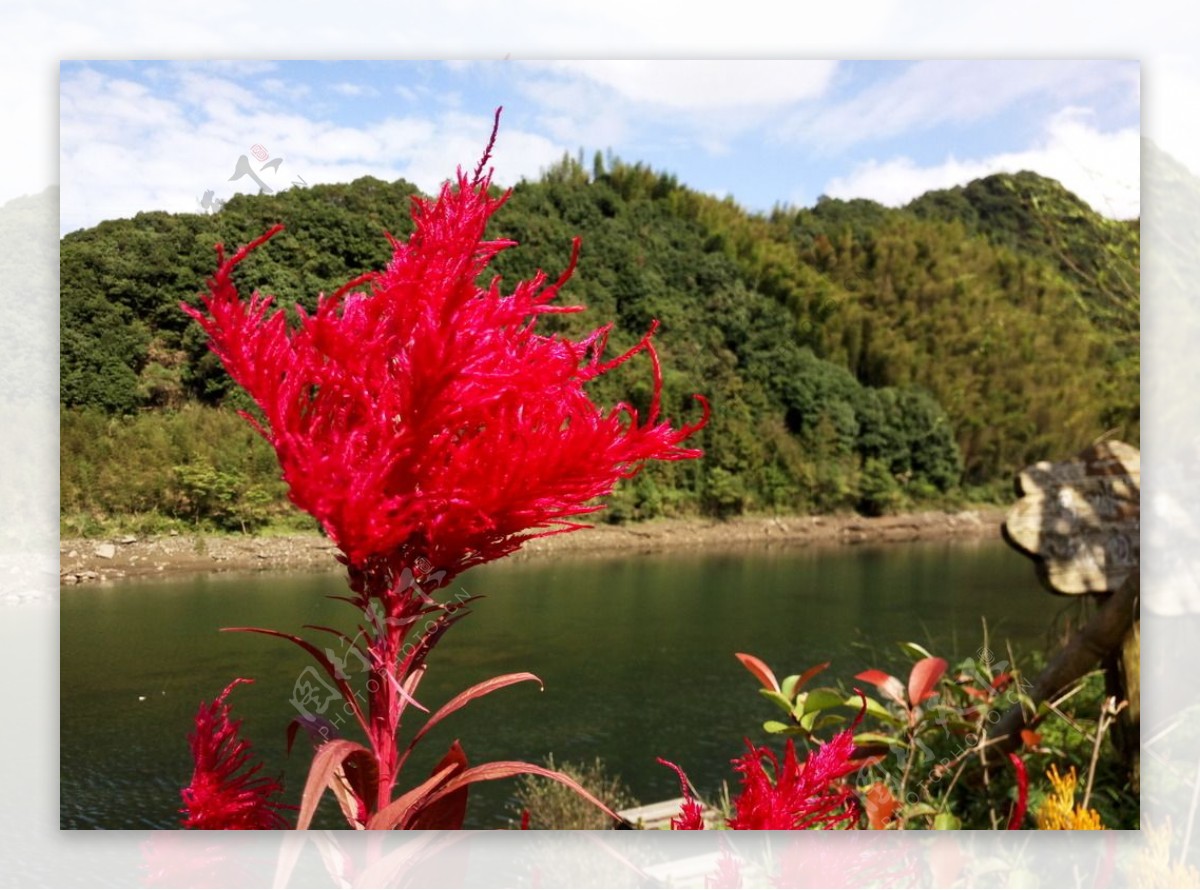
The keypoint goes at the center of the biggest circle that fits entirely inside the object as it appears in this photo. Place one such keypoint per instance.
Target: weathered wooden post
(1080, 521)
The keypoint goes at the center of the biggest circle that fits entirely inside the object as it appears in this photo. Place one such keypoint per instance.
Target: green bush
(552, 805)
(197, 467)
(879, 492)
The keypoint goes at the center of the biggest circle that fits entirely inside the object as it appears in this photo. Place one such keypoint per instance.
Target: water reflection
(636, 655)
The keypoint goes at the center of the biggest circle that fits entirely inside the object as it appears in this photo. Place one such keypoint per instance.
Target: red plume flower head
(691, 813)
(225, 794)
(423, 417)
(795, 795)
(792, 796)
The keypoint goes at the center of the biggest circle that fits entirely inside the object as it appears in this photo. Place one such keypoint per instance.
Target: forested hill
(855, 356)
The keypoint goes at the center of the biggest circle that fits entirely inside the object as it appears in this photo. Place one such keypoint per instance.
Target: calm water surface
(636, 653)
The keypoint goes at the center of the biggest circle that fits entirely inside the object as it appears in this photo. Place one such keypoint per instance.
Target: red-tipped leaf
(888, 686)
(759, 669)
(924, 677)
(810, 673)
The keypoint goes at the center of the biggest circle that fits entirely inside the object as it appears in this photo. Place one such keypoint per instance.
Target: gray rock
(106, 551)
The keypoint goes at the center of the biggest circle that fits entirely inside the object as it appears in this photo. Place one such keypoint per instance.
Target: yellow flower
(1153, 865)
(1059, 813)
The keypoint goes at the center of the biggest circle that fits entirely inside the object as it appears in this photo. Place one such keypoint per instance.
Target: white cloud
(126, 148)
(929, 94)
(605, 104)
(354, 89)
(1103, 168)
(574, 115)
(217, 96)
(705, 85)
(288, 90)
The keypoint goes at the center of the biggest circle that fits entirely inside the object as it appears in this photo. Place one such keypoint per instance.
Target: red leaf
(810, 673)
(318, 728)
(874, 677)
(925, 675)
(888, 686)
(881, 806)
(468, 695)
(504, 769)
(323, 773)
(759, 669)
(1030, 739)
(450, 811)
(355, 784)
(322, 659)
(397, 811)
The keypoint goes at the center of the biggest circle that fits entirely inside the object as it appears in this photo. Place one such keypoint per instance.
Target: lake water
(636, 653)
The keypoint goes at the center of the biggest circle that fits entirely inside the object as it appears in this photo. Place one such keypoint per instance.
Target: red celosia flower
(429, 428)
(223, 794)
(867, 859)
(423, 418)
(691, 814)
(796, 796)
(799, 795)
(728, 875)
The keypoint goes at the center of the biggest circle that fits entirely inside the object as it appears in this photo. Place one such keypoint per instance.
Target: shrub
(554, 806)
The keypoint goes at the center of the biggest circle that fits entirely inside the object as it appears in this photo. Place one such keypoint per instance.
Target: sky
(160, 135)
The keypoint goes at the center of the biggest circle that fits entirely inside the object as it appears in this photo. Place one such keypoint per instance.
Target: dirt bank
(85, 561)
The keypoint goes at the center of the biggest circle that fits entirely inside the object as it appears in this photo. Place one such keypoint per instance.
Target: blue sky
(158, 135)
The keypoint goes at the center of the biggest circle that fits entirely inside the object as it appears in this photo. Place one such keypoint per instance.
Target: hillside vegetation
(856, 357)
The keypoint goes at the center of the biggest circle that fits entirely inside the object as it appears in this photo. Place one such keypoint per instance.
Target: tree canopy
(856, 356)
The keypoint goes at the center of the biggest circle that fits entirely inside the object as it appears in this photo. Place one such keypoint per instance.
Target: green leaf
(920, 809)
(915, 650)
(788, 686)
(826, 719)
(878, 738)
(946, 822)
(819, 700)
(777, 698)
(779, 726)
(874, 708)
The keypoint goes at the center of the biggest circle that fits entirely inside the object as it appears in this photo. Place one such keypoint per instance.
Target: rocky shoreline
(89, 561)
